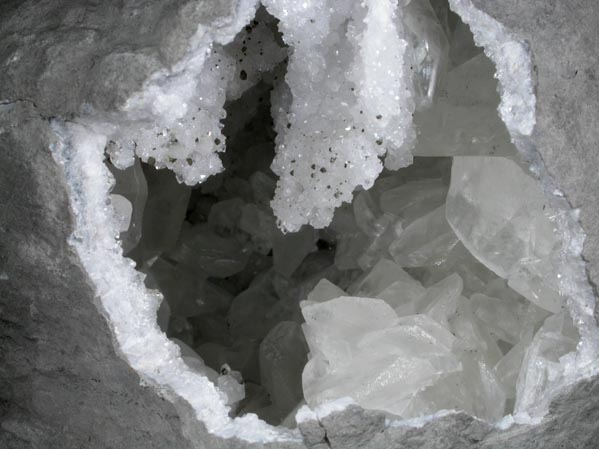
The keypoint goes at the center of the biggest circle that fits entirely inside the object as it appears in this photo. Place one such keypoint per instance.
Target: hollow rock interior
(432, 288)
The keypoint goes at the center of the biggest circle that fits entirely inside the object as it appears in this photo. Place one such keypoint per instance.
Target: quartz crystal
(351, 103)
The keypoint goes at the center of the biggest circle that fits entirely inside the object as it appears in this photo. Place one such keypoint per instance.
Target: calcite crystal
(494, 241)
(500, 214)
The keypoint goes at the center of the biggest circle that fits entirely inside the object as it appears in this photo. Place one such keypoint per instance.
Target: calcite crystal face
(501, 216)
(322, 201)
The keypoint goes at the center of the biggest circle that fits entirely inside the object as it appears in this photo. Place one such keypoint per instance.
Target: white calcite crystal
(501, 215)
(361, 348)
(426, 241)
(477, 262)
(500, 346)
(230, 383)
(545, 363)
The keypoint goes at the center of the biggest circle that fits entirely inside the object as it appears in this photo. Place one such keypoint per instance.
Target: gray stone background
(61, 383)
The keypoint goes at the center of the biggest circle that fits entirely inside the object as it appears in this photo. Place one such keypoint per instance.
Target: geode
(304, 223)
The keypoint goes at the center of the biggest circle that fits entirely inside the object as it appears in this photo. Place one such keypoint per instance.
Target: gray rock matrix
(61, 383)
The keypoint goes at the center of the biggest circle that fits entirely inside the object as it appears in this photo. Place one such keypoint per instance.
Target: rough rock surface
(63, 54)
(61, 383)
(571, 424)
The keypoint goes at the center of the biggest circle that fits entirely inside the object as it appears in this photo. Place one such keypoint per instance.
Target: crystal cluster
(395, 311)
(352, 102)
(430, 325)
(230, 277)
(355, 75)
(188, 136)
(500, 215)
(414, 290)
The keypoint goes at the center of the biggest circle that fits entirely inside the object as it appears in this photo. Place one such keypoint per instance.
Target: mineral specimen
(320, 264)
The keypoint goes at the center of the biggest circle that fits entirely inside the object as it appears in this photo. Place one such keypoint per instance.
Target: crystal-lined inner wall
(355, 222)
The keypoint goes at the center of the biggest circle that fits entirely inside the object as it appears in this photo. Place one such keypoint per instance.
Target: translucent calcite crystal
(283, 354)
(427, 354)
(129, 197)
(426, 241)
(464, 120)
(123, 211)
(544, 365)
(360, 348)
(202, 250)
(491, 336)
(413, 199)
(252, 315)
(323, 291)
(164, 213)
(377, 279)
(289, 250)
(387, 305)
(500, 214)
(187, 293)
(509, 320)
(428, 36)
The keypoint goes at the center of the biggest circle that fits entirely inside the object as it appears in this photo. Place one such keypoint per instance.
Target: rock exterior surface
(62, 384)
